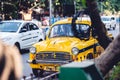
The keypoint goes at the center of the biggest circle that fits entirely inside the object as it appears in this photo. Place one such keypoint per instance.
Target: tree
(68, 7)
(111, 5)
(111, 55)
(97, 23)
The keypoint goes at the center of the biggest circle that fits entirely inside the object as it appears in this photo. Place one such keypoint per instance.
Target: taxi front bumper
(47, 62)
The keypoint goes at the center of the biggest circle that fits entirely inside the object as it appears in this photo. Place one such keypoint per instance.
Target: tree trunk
(111, 55)
(97, 24)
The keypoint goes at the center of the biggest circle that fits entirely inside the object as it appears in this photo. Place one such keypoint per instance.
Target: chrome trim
(52, 62)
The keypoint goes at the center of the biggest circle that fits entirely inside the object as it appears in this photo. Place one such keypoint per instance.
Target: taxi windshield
(65, 30)
(61, 30)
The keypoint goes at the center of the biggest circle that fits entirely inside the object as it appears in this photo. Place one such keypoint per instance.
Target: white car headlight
(75, 50)
(32, 50)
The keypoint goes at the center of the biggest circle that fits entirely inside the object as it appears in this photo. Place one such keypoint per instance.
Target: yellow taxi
(62, 46)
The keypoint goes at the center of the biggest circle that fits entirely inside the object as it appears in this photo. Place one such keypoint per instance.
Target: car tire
(18, 46)
(108, 29)
(38, 72)
(90, 56)
(113, 28)
(40, 40)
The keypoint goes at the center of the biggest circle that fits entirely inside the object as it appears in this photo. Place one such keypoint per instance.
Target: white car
(20, 33)
(109, 21)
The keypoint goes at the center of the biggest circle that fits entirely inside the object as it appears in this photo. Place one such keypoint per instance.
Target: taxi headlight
(32, 50)
(75, 50)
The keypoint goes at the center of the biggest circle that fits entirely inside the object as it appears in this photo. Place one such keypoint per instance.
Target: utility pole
(75, 6)
(50, 10)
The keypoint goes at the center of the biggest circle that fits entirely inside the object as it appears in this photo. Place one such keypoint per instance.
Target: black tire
(90, 56)
(18, 46)
(40, 40)
(114, 27)
(38, 72)
(108, 29)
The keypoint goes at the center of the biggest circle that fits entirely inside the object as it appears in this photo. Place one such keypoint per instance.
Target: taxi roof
(78, 21)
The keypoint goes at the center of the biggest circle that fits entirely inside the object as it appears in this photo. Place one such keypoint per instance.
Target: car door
(25, 36)
(36, 33)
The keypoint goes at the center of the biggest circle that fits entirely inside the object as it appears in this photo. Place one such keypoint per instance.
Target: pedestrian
(10, 62)
(1, 18)
(45, 22)
(8, 17)
(26, 14)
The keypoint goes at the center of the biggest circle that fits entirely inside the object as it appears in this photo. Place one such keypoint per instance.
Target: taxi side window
(83, 31)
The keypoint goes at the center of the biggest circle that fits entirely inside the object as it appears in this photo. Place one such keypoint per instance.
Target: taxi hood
(58, 44)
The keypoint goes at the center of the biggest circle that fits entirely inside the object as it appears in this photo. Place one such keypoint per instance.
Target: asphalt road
(26, 68)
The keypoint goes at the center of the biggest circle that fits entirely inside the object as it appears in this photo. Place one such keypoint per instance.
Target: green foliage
(8, 8)
(116, 73)
(84, 3)
(112, 5)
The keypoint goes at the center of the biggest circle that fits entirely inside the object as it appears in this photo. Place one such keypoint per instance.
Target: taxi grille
(62, 56)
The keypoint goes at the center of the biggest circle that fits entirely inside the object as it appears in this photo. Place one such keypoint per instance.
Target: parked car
(22, 34)
(62, 46)
(109, 21)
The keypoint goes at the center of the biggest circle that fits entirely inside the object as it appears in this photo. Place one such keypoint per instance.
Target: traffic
(58, 47)
(53, 46)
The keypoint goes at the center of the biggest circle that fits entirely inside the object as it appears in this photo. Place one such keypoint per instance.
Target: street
(26, 68)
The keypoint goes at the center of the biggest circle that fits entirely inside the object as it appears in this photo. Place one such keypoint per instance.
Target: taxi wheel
(90, 56)
(38, 72)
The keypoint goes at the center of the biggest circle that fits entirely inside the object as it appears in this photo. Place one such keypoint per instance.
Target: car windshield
(65, 30)
(61, 30)
(9, 26)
